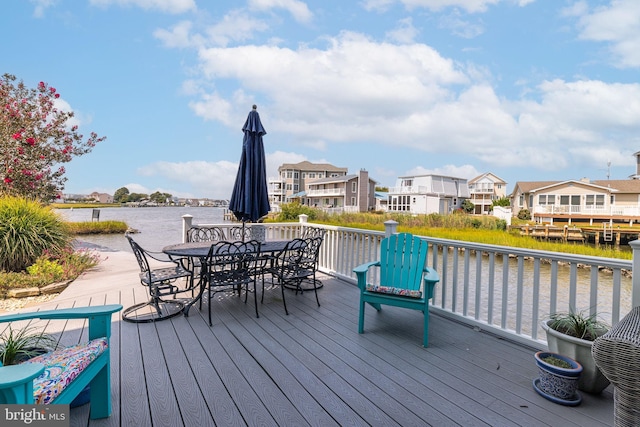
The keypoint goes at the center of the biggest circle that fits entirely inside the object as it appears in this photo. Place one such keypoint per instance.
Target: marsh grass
(468, 228)
(97, 227)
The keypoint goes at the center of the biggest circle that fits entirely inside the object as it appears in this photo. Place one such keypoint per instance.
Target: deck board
(312, 367)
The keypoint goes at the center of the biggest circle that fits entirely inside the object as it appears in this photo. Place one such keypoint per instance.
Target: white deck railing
(505, 290)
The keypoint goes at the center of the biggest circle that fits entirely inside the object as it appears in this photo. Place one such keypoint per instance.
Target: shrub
(291, 211)
(27, 230)
(524, 214)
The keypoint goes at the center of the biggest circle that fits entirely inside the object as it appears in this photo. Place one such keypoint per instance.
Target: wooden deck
(312, 367)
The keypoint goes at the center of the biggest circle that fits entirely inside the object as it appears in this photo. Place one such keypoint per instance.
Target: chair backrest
(402, 261)
(205, 234)
(313, 232)
(311, 251)
(240, 233)
(238, 256)
(140, 255)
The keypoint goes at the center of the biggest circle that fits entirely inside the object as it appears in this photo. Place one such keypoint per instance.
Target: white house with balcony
(484, 189)
(426, 194)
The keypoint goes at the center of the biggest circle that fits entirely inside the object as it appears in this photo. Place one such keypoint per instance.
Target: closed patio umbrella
(250, 198)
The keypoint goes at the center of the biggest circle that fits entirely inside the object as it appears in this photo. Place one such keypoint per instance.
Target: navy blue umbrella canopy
(250, 198)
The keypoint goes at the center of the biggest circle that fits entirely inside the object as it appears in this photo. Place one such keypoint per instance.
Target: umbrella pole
(243, 225)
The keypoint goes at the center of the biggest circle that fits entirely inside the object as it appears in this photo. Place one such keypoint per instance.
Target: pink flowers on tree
(36, 138)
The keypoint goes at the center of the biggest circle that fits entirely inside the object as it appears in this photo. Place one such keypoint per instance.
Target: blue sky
(526, 89)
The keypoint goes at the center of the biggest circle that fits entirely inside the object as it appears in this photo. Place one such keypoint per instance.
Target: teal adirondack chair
(405, 281)
(17, 381)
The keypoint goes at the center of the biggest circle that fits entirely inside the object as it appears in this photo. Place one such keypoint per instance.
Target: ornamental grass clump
(19, 345)
(578, 324)
(28, 230)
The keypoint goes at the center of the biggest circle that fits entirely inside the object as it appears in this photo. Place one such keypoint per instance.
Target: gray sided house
(342, 193)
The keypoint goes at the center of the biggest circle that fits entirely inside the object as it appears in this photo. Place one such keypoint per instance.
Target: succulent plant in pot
(559, 377)
(572, 334)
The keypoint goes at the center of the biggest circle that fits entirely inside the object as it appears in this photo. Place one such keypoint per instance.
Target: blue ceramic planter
(555, 383)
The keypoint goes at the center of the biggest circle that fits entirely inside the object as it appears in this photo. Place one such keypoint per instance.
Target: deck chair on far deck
(405, 281)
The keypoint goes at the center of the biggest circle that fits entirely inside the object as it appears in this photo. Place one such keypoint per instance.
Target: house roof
(311, 167)
(495, 178)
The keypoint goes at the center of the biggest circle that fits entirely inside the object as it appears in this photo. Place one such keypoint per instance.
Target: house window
(289, 174)
(354, 187)
(407, 182)
(353, 201)
(289, 187)
(295, 187)
(521, 200)
(546, 199)
(312, 175)
(296, 175)
(304, 175)
(564, 200)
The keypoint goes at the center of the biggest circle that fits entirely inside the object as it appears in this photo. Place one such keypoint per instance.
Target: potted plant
(20, 345)
(572, 334)
(559, 377)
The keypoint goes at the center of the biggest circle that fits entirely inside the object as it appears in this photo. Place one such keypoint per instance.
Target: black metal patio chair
(161, 282)
(230, 267)
(293, 265)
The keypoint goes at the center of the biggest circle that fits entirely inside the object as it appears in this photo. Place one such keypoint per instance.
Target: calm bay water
(158, 227)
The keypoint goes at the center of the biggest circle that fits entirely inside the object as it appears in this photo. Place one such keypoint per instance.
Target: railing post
(635, 281)
(187, 220)
(303, 218)
(390, 227)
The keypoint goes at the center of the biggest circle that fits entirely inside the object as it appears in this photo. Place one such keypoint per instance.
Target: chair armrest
(99, 317)
(16, 382)
(431, 277)
(361, 272)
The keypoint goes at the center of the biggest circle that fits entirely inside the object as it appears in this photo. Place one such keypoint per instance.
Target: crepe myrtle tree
(36, 139)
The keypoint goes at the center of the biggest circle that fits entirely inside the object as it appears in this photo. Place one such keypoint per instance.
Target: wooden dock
(311, 367)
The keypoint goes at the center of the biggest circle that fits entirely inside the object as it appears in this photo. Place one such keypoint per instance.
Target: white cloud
(395, 96)
(205, 178)
(236, 26)
(404, 33)
(617, 24)
(297, 9)
(167, 6)
(179, 36)
(41, 6)
(459, 26)
(471, 6)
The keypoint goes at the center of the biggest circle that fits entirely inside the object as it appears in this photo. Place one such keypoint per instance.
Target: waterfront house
(324, 186)
(426, 194)
(294, 179)
(583, 200)
(484, 189)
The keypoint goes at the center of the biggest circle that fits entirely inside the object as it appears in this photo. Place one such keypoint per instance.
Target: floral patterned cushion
(63, 366)
(395, 291)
